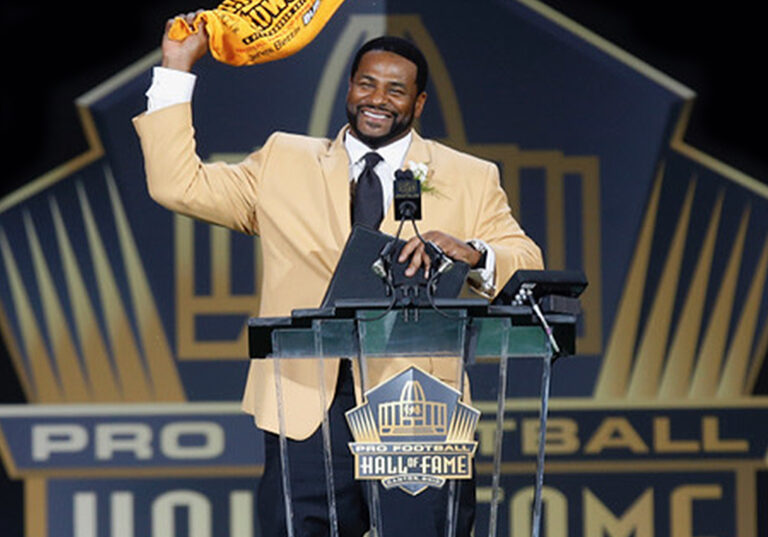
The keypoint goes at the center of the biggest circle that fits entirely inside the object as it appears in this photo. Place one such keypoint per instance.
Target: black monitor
(541, 283)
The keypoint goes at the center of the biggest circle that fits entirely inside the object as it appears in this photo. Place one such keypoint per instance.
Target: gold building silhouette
(412, 414)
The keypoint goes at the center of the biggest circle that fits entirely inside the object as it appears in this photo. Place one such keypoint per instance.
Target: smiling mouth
(376, 115)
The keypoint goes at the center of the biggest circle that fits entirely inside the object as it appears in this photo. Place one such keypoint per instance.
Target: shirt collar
(392, 153)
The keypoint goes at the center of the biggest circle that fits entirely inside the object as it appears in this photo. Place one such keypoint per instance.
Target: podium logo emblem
(413, 432)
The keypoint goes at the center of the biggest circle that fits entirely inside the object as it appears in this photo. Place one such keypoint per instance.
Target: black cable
(416, 229)
(389, 308)
(399, 229)
(432, 299)
(388, 274)
(435, 274)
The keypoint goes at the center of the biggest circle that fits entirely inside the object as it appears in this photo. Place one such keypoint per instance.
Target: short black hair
(401, 47)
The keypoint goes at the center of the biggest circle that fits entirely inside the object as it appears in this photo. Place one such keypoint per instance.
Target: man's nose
(379, 96)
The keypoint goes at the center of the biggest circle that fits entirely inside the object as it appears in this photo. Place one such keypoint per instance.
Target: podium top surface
(449, 329)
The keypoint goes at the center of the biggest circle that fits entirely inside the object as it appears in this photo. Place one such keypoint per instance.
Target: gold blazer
(294, 194)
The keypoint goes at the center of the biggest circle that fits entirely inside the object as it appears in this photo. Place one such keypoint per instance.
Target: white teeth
(374, 114)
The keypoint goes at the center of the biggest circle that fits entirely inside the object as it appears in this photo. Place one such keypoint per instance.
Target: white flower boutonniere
(423, 174)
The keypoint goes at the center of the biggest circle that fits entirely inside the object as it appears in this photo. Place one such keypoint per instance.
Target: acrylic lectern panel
(368, 335)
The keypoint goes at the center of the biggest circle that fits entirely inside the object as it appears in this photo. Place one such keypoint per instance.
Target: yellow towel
(242, 32)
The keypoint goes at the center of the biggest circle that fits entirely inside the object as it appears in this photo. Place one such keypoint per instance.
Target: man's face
(383, 98)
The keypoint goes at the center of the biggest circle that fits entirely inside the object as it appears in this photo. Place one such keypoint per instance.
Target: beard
(400, 124)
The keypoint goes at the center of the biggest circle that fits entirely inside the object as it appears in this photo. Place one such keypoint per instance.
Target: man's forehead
(384, 61)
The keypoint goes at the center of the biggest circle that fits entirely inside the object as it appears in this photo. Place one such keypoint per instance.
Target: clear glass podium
(457, 332)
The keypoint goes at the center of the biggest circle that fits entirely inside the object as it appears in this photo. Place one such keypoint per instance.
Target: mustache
(359, 108)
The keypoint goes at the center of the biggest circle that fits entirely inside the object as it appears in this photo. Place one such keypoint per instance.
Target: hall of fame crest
(413, 432)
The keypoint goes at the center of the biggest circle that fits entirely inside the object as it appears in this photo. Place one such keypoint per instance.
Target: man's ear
(418, 106)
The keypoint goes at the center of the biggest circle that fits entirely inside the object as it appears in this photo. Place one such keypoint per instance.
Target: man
(296, 193)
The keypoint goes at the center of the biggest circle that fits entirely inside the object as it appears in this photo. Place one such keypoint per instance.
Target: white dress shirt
(392, 155)
(170, 87)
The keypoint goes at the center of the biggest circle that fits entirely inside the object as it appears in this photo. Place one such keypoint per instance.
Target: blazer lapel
(335, 166)
(419, 151)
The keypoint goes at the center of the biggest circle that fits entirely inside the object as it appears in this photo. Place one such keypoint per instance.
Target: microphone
(407, 196)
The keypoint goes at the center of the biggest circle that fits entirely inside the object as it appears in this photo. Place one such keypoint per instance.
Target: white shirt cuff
(483, 278)
(169, 87)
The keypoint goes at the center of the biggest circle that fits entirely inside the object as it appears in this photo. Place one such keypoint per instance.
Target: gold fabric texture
(258, 31)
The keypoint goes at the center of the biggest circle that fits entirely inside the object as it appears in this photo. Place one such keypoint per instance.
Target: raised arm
(176, 176)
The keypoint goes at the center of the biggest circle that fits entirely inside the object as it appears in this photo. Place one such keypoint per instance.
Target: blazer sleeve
(223, 194)
(495, 225)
